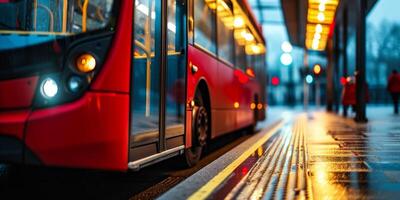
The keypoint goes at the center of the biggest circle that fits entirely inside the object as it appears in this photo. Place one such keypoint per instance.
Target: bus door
(158, 78)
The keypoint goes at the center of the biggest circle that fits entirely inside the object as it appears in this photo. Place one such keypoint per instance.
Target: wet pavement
(313, 155)
(295, 155)
(349, 160)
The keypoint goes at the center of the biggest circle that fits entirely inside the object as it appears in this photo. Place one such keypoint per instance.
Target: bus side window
(146, 74)
(205, 27)
(172, 35)
(226, 47)
(240, 57)
(144, 30)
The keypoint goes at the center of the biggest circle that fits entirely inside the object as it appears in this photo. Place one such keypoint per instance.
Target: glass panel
(53, 17)
(382, 49)
(171, 27)
(240, 57)
(175, 104)
(226, 47)
(146, 73)
(204, 22)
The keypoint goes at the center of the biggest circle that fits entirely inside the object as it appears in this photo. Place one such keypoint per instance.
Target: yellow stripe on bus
(208, 188)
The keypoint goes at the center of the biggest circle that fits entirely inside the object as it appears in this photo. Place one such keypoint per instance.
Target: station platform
(298, 155)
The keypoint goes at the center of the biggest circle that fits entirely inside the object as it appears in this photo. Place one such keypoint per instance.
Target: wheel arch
(203, 87)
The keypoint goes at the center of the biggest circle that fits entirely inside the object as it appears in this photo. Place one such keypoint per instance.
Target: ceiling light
(321, 7)
(318, 28)
(317, 36)
(321, 17)
(286, 47)
(315, 44)
(238, 22)
(286, 59)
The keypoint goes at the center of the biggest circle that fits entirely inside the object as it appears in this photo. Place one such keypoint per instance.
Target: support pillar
(344, 44)
(360, 63)
(336, 77)
(330, 99)
(305, 85)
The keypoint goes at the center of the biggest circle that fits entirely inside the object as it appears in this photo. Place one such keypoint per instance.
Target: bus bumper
(12, 125)
(90, 133)
(14, 151)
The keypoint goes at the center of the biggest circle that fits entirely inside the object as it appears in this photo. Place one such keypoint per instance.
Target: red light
(275, 81)
(245, 170)
(242, 78)
(343, 80)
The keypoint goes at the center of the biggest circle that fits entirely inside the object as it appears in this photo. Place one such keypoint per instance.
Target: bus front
(51, 52)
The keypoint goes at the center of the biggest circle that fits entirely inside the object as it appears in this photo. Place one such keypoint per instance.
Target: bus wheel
(200, 128)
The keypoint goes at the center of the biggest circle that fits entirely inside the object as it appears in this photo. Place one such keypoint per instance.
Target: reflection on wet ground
(321, 156)
(347, 160)
(275, 170)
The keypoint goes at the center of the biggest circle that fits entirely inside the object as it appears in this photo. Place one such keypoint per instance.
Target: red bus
(117, 85)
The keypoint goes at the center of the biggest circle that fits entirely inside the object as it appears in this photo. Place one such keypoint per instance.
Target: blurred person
(349, 95)
(393, 87)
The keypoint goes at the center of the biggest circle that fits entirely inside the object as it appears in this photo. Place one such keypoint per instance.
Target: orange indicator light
(317, 69)
(86, 63)
(253, 106)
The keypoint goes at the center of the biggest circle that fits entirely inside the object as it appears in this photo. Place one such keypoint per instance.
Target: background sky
(385, 10)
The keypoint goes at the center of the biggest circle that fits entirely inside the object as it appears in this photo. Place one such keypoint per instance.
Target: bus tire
(200, 129)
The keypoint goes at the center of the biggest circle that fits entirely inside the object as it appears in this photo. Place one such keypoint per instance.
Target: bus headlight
(49, 88)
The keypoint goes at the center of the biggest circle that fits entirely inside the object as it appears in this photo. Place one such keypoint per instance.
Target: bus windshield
(31, 22)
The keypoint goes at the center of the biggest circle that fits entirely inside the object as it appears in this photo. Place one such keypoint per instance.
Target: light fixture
(315, 44)
(86, 63)
(286, 59)
(321, 17)
(252, 106)
(318, 28)
(250, 72)
(75, 83)
(249, 37)
(317, 36)
(309, 79)
(286, 47)
(321, 7)
(238, 22)
(254, 49)
(236, 105)
(317, 69)
(49, 88)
